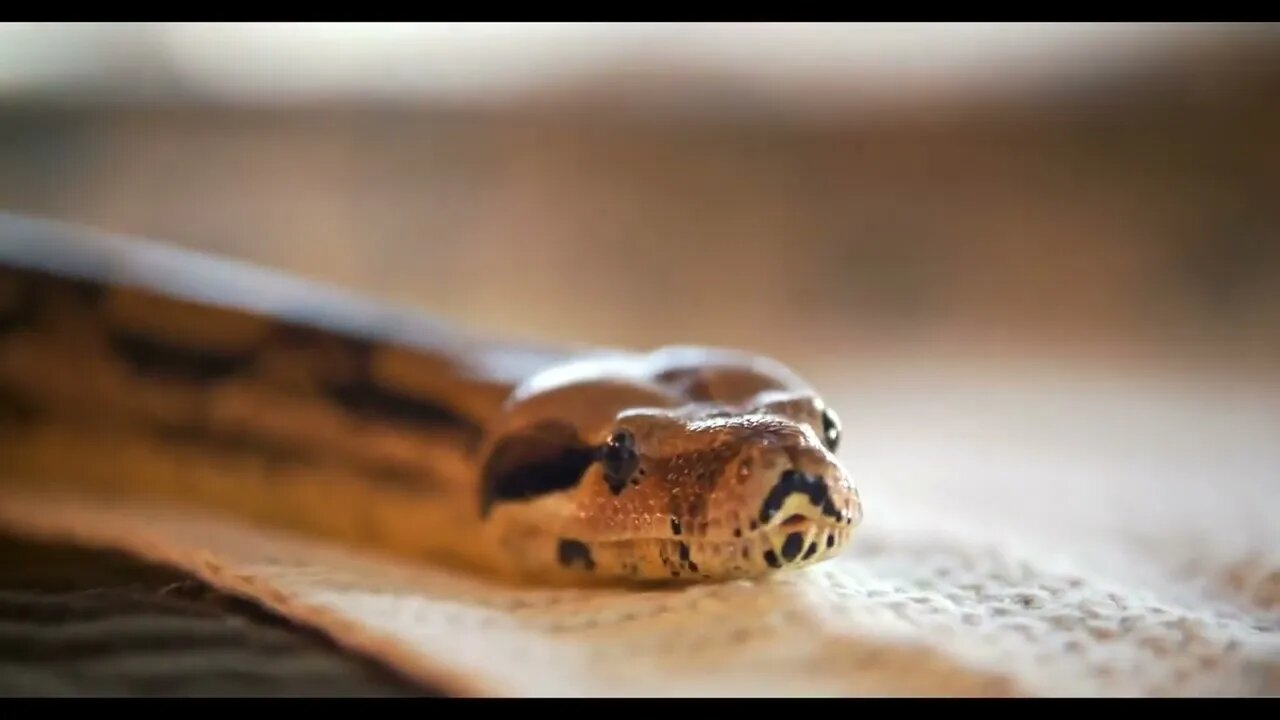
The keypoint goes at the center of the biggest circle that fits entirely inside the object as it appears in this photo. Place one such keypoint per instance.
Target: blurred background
(831, 193)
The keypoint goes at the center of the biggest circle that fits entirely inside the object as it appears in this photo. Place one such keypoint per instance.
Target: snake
(134, 368)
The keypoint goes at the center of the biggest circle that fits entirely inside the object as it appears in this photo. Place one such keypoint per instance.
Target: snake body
(128, 367)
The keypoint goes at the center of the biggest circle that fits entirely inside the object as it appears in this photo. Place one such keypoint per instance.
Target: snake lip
(793, 521)
(796, 510)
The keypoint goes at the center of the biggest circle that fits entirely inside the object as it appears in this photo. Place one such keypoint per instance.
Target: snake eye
(830, 429)
(619, 459)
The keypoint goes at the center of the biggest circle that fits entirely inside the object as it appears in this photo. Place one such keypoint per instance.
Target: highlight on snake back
(948, 322)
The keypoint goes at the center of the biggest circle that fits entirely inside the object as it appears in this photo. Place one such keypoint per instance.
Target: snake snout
(807, 515)
(810, 493)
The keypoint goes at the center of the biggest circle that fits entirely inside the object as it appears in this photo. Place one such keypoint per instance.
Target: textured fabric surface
(80, 622)
(1025, 535)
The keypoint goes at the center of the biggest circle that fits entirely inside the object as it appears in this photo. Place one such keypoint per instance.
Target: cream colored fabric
(1036, 534)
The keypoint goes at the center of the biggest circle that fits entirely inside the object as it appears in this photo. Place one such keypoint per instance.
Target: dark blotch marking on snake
(794, 481)
(15, 409)
(675, 526)
(772, 558)
(809, 551)
(364, 398)
(831, 541)
(23, 293)
(403, 478)
(228, 442)
(148, 356)
(546, 458)
(575, 552)
(14, 319)
(20, 313)
(684, 557)
(89, 292)
(791, 546)
(280, 453)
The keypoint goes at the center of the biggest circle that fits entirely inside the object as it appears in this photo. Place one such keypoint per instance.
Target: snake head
(683, 463)
(730, 490)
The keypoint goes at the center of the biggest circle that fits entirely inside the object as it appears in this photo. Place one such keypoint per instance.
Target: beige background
(1127, 213)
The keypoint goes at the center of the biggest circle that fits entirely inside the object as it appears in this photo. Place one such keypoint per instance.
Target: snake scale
(134, 368)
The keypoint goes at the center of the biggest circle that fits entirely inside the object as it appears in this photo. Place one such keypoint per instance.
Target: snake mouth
(802, 531)
(802, 523)
(800, 540)
(794, 521)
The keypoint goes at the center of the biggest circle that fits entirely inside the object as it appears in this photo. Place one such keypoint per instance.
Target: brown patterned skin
(129, 368)
(696, 490)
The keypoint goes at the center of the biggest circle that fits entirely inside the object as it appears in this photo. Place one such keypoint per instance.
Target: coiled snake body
(128, 367)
